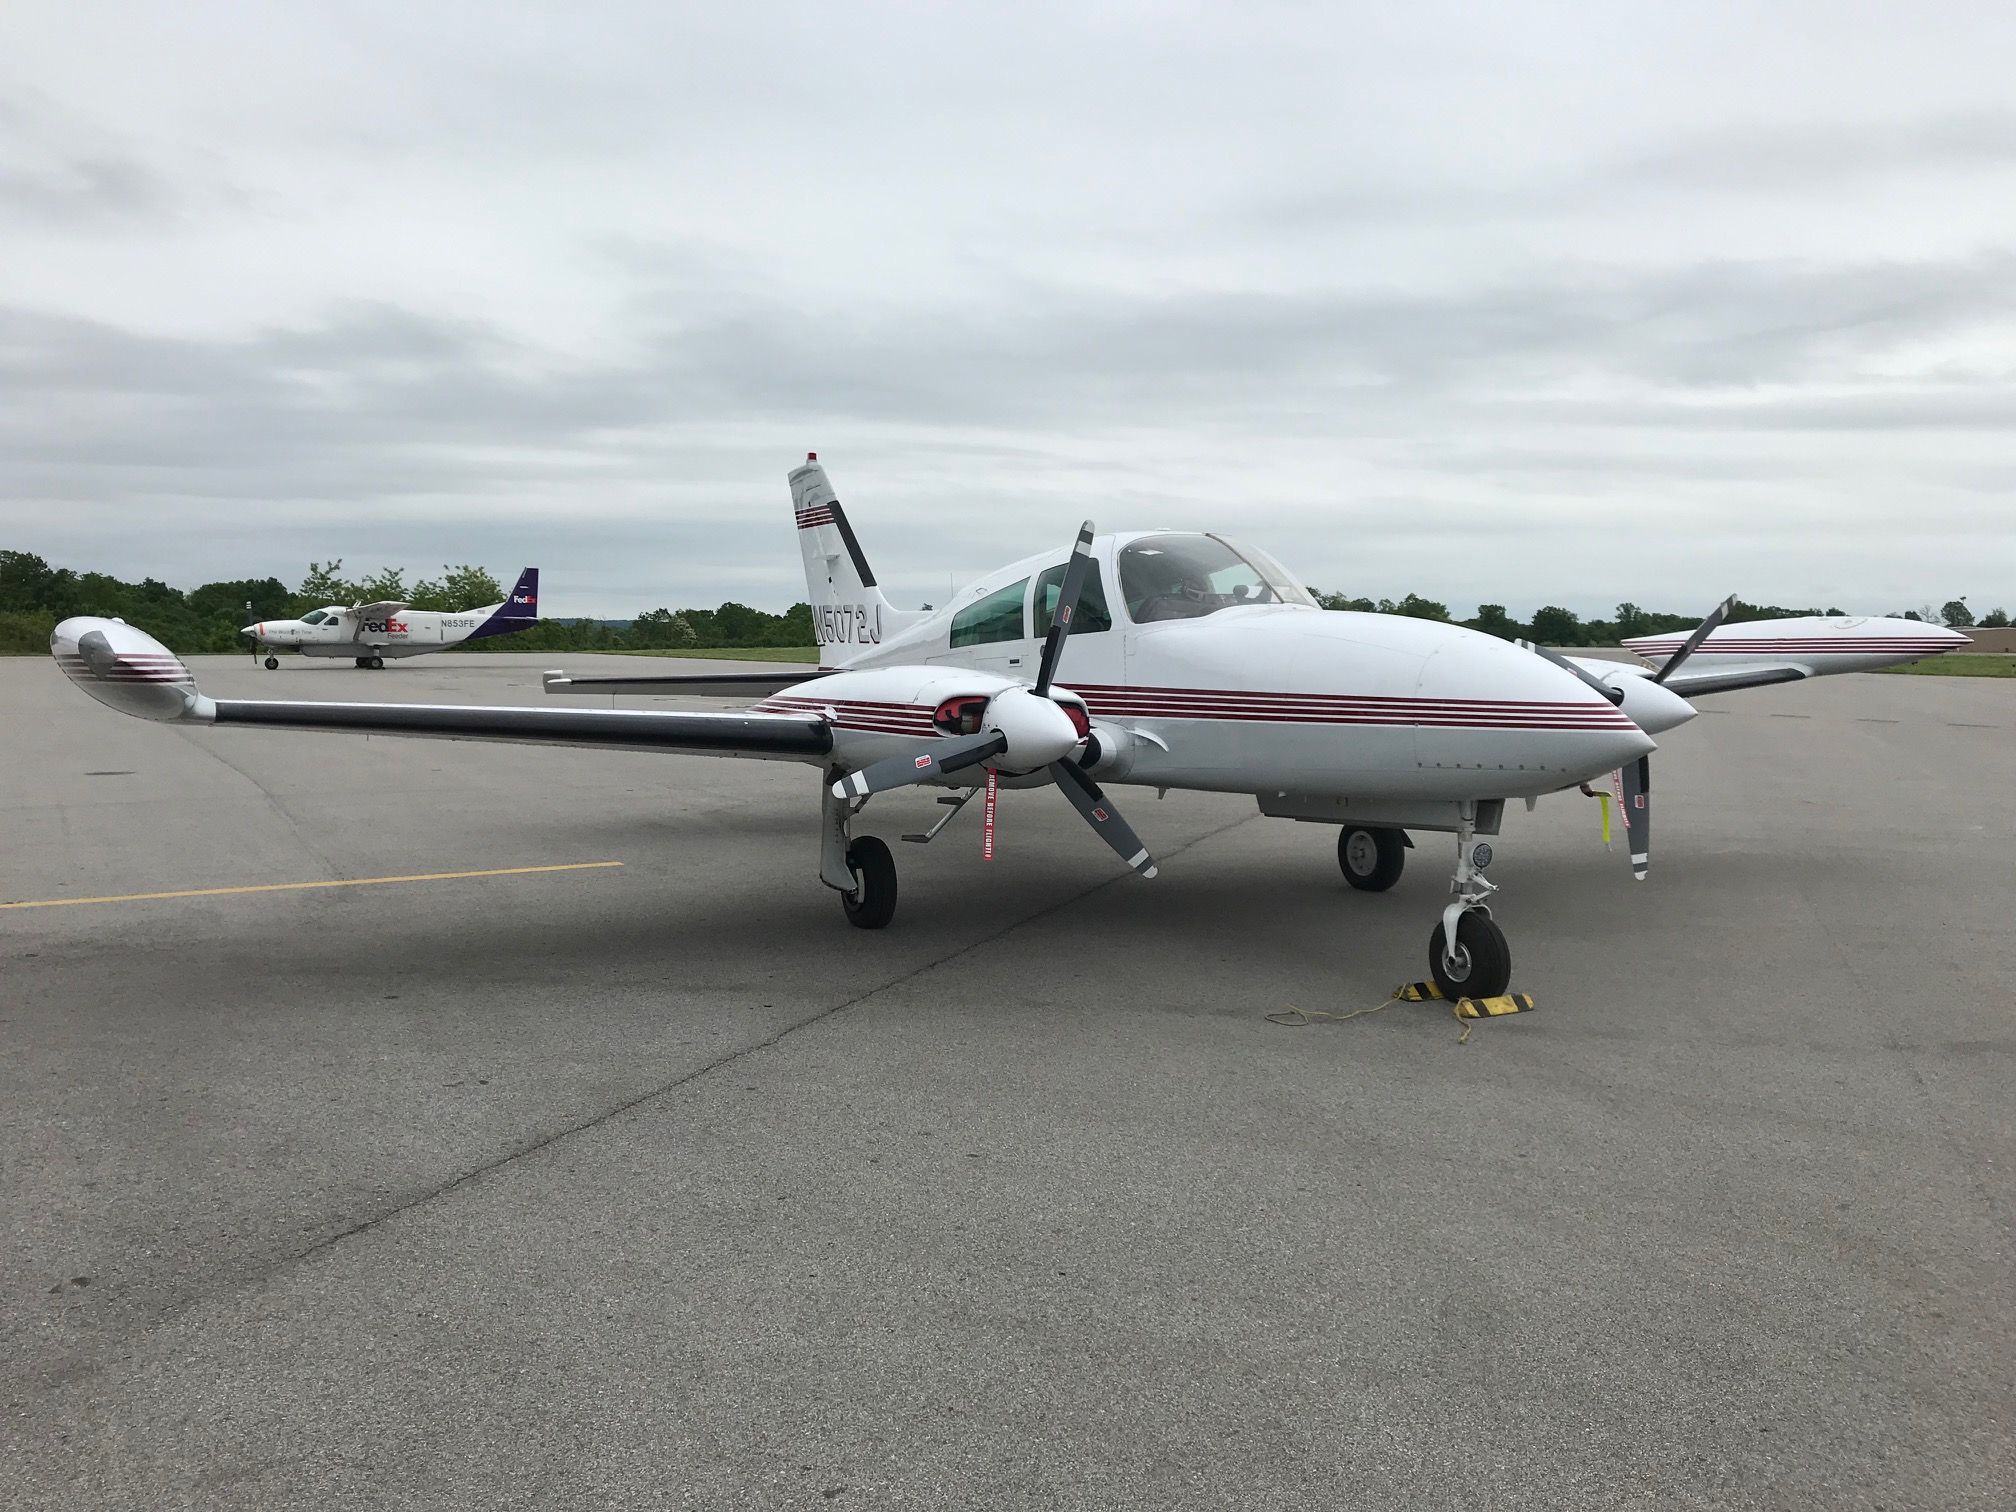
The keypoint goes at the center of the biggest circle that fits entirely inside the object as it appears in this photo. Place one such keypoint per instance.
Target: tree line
(35, 595)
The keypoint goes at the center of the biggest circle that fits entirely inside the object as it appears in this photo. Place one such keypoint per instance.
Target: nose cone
(1653, 707)
(1522, 723)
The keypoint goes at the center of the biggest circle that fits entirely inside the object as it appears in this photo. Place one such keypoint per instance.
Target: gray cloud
(578, 289)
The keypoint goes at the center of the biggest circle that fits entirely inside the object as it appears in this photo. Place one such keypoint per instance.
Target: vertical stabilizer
(519, 611)
(849, 613)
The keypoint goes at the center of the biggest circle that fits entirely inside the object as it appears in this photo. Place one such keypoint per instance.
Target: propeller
(1705, 629)
(1068, 591)
(1028, 728)
(1638, 814)
(1106, 822)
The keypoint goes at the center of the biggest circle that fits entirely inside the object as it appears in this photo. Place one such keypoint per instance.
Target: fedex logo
(385, 627)
(527, 599)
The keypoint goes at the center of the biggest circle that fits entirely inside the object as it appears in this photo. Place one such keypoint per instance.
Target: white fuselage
(338, 631)
(1263, 697)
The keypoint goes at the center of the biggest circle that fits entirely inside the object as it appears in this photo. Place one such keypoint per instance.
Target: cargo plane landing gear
(272, 664)
(375, 663)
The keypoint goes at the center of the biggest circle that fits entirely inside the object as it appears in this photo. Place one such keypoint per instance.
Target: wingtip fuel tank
(126, 669)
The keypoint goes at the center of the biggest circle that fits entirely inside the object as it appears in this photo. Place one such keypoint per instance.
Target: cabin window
(1092, 617)
(1169, 577)
(997, 617)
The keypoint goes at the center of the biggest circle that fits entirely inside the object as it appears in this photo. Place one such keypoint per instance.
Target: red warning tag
(987, 816)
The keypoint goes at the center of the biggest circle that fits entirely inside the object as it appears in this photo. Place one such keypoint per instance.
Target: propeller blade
(1701, 633)
(937, 759)
(1638, 814)
(1102, 816)
(1615, 695)
(1067, 608)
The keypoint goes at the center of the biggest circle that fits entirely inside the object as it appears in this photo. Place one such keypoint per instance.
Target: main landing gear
(861, 870)
(1371, 858)
(375, 663)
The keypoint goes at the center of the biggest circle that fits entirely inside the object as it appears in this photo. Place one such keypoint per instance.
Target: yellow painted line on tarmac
(268, 887)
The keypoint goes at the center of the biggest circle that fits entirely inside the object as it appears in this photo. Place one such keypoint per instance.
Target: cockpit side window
(1093, 615)
(997, 617)
(1188, 576)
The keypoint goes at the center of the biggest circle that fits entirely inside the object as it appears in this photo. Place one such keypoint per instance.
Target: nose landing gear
(272, 664)
(1468, 955)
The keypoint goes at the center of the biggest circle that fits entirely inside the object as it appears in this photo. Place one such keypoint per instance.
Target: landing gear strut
(861, 870)
(1467, 954)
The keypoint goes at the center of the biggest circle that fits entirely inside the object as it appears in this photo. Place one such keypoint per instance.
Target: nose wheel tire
(1371, 859)
(1483, 964)
(272, 664)
(872, 904)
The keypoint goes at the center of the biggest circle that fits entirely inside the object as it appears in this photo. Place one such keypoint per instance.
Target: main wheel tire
(377, 664)
(1371, 859)
(872, 904)
(363, 661)
(272, 664)
(1483, 959)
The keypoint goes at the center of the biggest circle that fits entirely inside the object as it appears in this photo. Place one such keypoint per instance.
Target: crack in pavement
(274, 1268)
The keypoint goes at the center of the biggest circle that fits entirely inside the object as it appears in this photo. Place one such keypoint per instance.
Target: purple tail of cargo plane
(519, 611)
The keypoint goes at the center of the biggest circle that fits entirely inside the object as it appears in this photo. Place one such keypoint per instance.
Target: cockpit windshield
(1165, 577)
(315, 617)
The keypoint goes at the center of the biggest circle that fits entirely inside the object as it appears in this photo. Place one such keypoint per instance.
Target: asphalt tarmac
(658, 1185)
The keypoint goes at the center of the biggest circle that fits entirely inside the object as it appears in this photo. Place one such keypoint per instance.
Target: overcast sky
(1528, 304)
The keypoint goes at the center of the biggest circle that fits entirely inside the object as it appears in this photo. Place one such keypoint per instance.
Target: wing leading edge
(128, 670)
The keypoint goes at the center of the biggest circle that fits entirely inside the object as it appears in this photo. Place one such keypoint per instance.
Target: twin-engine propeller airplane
(1148, 659)
(372, 632)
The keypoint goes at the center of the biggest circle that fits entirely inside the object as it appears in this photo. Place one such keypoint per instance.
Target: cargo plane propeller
(1154, 659)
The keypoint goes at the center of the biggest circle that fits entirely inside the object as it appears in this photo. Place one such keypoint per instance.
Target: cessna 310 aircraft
(372, 632)
(1147, 659)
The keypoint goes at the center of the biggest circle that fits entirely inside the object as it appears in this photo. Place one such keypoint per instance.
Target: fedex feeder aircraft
(372, 632)
(1156, 659)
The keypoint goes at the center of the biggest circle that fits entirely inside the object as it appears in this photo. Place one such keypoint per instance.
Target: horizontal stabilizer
(705, 685)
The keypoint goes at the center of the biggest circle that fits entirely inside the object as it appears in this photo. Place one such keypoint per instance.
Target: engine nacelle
(1109, 751)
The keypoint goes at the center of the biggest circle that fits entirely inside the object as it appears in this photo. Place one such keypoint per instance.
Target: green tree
(1957, 614)
(1343, 601)
(1631, 621)
(1995, 619)
(1416, 607)
(325, 584)
(1555, 626)
(1493, 620)
(386, 585)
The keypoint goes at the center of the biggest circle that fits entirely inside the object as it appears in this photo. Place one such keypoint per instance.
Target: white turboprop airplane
(1149, 659)
(372, 632)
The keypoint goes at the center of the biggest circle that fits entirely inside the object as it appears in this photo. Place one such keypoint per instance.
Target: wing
(707, 685)
(1759, 674)
(128, 670)
(379, 610)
